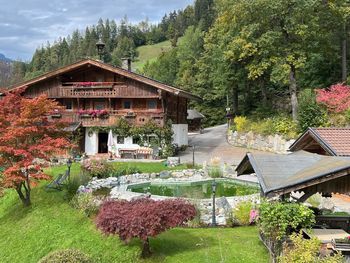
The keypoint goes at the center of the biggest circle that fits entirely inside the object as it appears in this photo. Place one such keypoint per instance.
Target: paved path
(212, 143)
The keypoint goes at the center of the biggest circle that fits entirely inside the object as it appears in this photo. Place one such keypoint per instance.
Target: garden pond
(197, 190)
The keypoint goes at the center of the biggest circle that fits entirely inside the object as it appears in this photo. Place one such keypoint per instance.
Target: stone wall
(272, 143)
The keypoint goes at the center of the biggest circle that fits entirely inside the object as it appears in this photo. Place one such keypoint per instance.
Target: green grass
(28, 234)
(150, 53)
(143, 167)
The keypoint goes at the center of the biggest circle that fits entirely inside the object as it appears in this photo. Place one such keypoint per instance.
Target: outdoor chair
(58, 182)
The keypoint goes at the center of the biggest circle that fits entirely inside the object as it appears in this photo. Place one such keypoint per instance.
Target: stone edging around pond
(119, 185)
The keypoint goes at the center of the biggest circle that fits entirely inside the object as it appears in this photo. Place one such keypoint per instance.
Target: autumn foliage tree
(336, 98)
(143, 218)
(26, 135)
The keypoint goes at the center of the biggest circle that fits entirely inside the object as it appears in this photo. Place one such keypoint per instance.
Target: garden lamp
(69, 165)
(213, 189)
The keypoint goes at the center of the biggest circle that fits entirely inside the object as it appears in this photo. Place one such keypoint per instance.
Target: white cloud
(25, 25)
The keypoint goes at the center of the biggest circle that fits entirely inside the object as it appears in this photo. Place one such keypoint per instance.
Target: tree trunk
(146, 252)
(25, 197)
(293, 92)
(263, 92)
(344, 71)
(235, 100)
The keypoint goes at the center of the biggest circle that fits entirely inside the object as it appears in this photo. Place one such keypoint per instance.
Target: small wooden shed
(194, 120)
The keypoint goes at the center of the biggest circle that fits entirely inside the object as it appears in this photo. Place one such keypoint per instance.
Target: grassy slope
(150, 53)
(27, 234)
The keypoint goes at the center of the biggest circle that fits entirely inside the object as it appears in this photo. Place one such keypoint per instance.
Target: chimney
(126, 63)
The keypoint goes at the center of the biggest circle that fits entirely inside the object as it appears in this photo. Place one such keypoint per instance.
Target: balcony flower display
(93, 113)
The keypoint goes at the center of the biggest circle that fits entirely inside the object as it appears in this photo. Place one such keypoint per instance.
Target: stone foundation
(275, 143)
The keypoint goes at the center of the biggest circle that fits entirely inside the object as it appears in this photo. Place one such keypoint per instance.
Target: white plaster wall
(91, 143)
(180, 136)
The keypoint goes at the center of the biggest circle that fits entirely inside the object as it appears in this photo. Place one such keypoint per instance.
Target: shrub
(240, 123)
(277, 220)
(306, 251)
(126, 170)
(214, 169)
(97, 168)
(241, 214)
(310, 114)
(73, 184)
(66, 256)
(336, 98)
(86, 203)
(285, 126)
(143, 218)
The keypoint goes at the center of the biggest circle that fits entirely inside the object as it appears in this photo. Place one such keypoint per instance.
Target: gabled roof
(335, 141)
(193, 114)
(291, 172)
(117, 70)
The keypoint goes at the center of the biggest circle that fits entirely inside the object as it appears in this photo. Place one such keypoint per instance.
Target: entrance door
(102, 142)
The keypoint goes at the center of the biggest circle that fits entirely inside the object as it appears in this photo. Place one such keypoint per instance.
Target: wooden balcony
(137, 118)
(101, 90)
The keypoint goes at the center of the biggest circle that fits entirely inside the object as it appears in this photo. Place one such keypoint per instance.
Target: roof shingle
(336, 138)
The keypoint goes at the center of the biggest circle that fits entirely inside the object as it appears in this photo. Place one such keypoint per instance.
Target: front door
(102, 142)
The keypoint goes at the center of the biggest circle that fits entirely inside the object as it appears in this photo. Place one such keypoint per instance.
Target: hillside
(150, 53)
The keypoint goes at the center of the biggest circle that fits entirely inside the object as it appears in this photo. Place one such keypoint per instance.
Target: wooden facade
(91, 85)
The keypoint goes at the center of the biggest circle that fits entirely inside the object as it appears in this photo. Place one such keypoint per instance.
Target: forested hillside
(255, 57)
(259, 55)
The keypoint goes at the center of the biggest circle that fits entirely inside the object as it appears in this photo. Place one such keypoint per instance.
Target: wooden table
(326, 235)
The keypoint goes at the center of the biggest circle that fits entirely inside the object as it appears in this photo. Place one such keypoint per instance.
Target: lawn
(27, 234)
(153, 167)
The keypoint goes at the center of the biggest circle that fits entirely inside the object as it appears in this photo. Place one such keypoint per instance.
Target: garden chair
(58, 182)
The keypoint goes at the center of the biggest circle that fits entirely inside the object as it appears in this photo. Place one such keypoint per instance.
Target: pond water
(197, 190)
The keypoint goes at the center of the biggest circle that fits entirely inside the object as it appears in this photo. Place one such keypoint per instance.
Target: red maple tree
(143, 218)
(27, 135)
(336, 98)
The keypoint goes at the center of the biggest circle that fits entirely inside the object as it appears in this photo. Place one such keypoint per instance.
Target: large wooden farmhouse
(96, 94)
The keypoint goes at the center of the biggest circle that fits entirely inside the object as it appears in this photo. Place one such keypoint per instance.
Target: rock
(173, 161)
(164, 174)
(326, 204)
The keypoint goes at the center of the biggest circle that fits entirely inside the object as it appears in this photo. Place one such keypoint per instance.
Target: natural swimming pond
(197, 190)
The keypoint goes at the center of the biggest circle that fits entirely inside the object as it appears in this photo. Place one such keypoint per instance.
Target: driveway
(212, 143)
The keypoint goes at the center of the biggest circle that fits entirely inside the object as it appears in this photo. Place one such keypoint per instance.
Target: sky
(27, 24)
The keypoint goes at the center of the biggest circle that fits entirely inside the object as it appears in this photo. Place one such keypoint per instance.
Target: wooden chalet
(96, 94)
(325, 141)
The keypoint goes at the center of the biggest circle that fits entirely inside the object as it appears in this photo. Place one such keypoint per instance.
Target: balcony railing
(98, 90)
(137, 118)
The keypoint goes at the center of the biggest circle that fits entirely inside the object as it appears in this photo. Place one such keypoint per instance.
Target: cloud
(26, 25)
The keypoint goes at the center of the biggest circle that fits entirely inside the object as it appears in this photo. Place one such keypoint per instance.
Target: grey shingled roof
(193, 114)
(279, 171)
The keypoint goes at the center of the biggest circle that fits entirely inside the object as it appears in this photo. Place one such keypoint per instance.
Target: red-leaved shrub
(336, 98)
(143, 218)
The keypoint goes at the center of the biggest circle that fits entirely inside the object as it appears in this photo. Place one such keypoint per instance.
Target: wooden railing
(137, 118)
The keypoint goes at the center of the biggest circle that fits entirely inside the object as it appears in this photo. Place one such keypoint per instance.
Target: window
(99, 105)
(136, 140)
(127, 104)
(120, 139)
(68, 104)
(152, 104)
